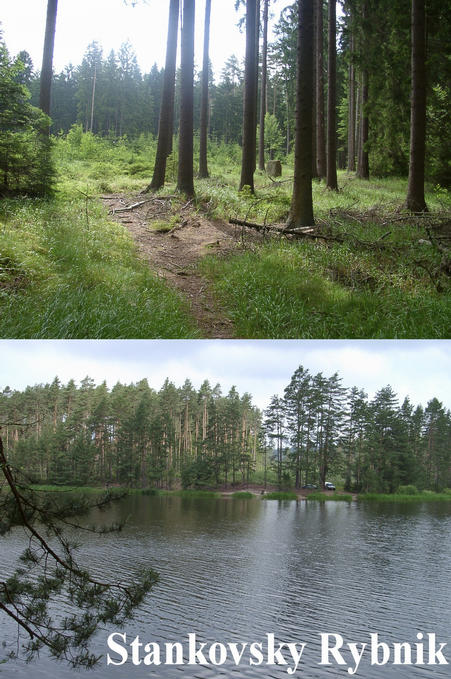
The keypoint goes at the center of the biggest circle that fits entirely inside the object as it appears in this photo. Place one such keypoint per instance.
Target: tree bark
(331, 99)
(363, 168)
(203, 162)
(351, 111)
(301, 211)
(415, 190)
(319, 81)
(249, 99)
(185, 182)
(264, 87)
(47, 58)
(167, 101)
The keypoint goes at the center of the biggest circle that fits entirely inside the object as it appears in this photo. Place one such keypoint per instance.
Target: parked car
(329, 486)
(309, 486)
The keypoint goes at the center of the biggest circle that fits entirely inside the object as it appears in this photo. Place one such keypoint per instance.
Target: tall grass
(67, 271)
(324, 289)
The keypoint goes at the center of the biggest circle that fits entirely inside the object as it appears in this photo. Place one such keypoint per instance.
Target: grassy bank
(424, 496)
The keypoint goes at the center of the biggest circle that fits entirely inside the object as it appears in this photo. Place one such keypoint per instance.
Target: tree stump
(274, 168)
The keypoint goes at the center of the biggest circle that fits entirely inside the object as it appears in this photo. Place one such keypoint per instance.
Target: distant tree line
(130, 435)
(133, 435)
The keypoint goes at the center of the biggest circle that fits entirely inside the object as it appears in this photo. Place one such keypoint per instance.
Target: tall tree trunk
(167, 101)
(331, 100)
(264, 87)
(301, 211)
(415, 191)
(363, 167)
(351, 111)
(249, 99)
(314, 107)
(185, 181)
(203, 163)
(319, 81)
(47, 58)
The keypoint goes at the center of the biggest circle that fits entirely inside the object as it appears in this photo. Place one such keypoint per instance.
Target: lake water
(238, 570)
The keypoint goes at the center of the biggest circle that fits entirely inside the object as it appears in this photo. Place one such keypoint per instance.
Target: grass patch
(76, 275)
(325, 497)
(279, 495)
(243, 495)
(319, 289)
(421, 496)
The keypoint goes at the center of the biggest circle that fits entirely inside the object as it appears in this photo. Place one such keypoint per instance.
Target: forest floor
(172, 238)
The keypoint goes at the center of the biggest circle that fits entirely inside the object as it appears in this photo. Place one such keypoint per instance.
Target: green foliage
(26, 165)
(243, 495)
(197, 474)
(410, 489)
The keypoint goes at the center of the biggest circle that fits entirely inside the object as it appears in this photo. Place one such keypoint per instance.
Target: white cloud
(420, 369)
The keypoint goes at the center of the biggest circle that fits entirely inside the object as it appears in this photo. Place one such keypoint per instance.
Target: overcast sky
(111, 22)
(420, 369)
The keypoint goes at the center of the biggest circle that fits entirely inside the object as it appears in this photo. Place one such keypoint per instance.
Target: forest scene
(300, 192)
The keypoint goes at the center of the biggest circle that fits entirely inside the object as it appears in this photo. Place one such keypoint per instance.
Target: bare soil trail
(174, 250)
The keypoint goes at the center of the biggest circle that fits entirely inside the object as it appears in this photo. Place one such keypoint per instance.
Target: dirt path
(174, 254)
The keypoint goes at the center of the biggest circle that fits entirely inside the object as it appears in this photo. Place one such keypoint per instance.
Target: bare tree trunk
(167, 101)
(351, 111)
(301, 211)
(320, 126)
(203, 163)
(249, 99)
(331, 100)
(47, 59)
(314, 106)
(264, 87)
(185, 181)
(363, 168)
(93, 97)
(415, 191)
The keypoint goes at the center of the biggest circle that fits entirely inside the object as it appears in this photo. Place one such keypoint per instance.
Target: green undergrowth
(243, 495)
(67, 271)
(279, 495)
(421, 496)
(384, 281)
(325, 497)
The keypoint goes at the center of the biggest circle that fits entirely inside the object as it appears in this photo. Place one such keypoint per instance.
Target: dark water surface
(238, 570)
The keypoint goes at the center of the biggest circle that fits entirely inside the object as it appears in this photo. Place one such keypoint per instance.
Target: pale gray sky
(418, 368)
(111, 22)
